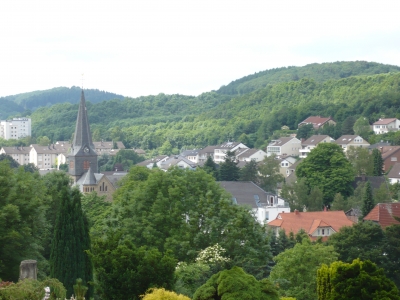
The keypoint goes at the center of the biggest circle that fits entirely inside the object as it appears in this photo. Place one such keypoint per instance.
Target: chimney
(296, 212)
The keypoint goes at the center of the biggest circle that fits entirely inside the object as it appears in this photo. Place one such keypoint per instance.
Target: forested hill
(23, 103)
(187, 122)
(317, 72)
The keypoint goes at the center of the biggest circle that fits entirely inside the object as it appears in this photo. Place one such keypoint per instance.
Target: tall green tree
(124, 271)
(186, 211)
(269, 175)
(327, 168)
(23, 224)
(361, 160)
(354, 281)
(348, 125)
(211, 168)
(377, 163)
(228, 170)
(68, 259)
(296, 269)
(236, 284)
(305, 131)
(368, 200)
(361, 127)
(249, 172)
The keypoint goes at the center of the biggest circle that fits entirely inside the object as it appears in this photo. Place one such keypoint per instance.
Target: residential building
(110, 148)
(221, 150)
(149, 163)
(316, 224)
(390, 156)
(285, 164)
(312, 142)
(265, 206)
(394, 174)
(48, 157)
(19, 154)
(179, 161)
(248, 154)
(385, 125)
(384, 213)
(347, 141)
(317, 121)
(15, 128)
(192, 155)
(285, 146)
(204, 153)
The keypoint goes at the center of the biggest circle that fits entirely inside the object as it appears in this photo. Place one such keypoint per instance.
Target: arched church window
(86, 165)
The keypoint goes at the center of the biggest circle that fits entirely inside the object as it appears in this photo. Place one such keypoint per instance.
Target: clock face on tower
(86, 149)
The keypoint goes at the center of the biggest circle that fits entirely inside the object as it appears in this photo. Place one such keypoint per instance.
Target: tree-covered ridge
(318, 72)
(186, 121)
(33, 100)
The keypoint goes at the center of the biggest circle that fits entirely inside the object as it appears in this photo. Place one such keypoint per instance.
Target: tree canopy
(327, 168)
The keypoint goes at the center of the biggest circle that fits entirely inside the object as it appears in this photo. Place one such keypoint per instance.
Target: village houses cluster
(268, 208)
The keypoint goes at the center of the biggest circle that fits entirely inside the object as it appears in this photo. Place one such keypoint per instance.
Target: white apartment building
(15, 128)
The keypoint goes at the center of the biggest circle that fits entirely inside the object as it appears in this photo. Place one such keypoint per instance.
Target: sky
(138, 48)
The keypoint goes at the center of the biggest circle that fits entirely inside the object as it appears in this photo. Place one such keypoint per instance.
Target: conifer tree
(368, 201)
(68, 259)
(229, 171)
(378, 163)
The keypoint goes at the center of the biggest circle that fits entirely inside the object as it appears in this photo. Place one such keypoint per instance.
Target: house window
(266, 215)
(271, 201)
(393, 158)
(323, 231)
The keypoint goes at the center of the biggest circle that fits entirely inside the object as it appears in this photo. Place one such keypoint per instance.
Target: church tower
(82, 156)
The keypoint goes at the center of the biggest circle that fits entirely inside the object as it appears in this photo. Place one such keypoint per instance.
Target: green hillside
(317, 72)
(178, 121)
(33, 100)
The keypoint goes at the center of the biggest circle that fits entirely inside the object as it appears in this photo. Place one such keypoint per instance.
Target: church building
(82, 159)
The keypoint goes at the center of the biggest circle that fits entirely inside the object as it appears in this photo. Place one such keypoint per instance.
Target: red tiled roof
(383, 214)
(384, 121)
(309, 221)
(317, 121)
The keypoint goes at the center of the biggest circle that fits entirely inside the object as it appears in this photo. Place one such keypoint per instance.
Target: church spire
(82, 154)
(82, 136)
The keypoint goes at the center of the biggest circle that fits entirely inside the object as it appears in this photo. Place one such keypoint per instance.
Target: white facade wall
(269, 212)
(15, 128)
(258, 156)
(384, 128)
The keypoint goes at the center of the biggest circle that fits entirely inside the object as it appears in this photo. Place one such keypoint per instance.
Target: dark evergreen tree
(211, 167)
(68, 259)
(368, 200)
(305, 131)
(229, 171)
(249, 172)
(378, 163)
(347, 125)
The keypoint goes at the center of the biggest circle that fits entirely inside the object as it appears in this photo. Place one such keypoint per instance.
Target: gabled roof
(208, 149)
(228, 145)
(346, 139)
(317, 121)
(281, 141)
(383, 214)
(384, 121)
(16, 150)
(388, 151)
(309, 221)
(174, 160)
(52, 149)
(394, 171)
(152, 160)
(246, 193)
(315, 139)
(87, 178)
(193, 152)
(247, 152)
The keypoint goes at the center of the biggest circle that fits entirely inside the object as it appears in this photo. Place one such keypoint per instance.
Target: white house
(248, 154)
(265, 206)
(347, 141)
(220, 151)
(386, 125)
(15, 128)
(179, 161)
(19, 154)
(47, 157)
(312, 142)
(285, 146)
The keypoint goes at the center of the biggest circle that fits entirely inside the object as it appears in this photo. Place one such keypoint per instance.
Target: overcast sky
(137, 48)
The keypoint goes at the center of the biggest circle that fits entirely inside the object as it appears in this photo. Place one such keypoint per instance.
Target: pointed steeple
(82, 154)
(82, 136)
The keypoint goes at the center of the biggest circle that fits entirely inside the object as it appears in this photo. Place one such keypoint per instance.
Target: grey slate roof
(16, 150)
(244, 192)
(82, 136)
